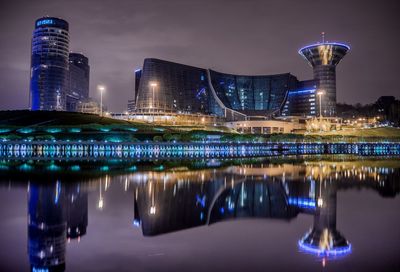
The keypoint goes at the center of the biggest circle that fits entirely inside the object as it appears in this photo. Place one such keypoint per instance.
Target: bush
(157, 138)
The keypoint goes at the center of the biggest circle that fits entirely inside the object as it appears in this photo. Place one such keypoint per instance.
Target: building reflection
(57, 212)
(324, 239)
(169, 200)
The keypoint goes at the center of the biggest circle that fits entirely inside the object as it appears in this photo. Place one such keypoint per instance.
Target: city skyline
(117, 41)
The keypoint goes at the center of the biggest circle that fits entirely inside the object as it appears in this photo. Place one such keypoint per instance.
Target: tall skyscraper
(324, 57)
(78, 80)
(49, 64)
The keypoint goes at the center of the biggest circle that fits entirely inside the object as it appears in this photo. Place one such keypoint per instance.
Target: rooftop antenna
(323, 37)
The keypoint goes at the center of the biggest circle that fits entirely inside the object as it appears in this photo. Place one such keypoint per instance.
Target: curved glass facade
(49, 64)
(164, 86)
(253, 95)
(171, 87)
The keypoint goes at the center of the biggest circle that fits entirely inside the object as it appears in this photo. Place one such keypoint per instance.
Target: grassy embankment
(41, 125)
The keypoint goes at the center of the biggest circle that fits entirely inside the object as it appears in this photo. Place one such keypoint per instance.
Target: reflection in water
(56, 213)
(179, 199)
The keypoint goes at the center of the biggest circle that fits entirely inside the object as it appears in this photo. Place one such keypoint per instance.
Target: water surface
(308, 213)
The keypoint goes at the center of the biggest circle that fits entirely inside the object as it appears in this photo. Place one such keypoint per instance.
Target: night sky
(233, 36)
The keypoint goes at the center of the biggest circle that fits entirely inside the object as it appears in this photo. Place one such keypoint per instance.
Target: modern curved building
(49, 64)
(324, 57)
(167, 87)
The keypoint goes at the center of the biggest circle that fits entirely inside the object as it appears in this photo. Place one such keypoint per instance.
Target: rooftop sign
(45, 22)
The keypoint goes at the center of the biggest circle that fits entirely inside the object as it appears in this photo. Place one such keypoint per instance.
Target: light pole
(101, 200)
(101, 88)
(153, 86)
(320, 94)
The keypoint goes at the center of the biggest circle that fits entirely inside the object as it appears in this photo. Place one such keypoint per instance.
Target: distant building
(131, 106)
(138, 75)
(89, 106)
(49, 64)
(78, 80)
(267, 126)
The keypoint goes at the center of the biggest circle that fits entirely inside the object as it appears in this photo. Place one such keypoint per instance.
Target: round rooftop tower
(324, 240)
(324, 57)
(49, 64)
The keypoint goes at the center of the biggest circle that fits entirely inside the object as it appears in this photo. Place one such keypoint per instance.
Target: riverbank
(71, 126)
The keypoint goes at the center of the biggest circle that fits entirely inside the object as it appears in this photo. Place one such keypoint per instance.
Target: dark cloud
(244, 37)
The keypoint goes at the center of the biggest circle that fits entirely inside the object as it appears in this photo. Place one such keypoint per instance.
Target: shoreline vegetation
(41, 125)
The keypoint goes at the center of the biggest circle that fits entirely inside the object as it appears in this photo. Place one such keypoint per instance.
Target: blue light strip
(326, 43)
(302, 91)
(339, 251)
(302, 202)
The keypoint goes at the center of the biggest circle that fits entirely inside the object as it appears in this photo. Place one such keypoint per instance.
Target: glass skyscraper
(49, 64)
(78, 80)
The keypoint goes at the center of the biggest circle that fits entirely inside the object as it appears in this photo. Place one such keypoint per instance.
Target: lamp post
(101, 88)
(153, 86)
(101, 200)
(320, 94)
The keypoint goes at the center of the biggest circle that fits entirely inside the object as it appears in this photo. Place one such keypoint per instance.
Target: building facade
(302, 101)
(78, 80)
(49, 64)
(167, 87)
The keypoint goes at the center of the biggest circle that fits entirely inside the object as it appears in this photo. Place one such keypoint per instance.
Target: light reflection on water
(173, 198)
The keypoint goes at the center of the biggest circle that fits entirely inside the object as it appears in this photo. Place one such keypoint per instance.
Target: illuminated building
(46, 227)
(166, 87)
(131, 106)
(49, 64)
(56, 213)
(88, 106)
(324, 57)
(323, 239)
(76, 208)
(301, 102)
(78, 81)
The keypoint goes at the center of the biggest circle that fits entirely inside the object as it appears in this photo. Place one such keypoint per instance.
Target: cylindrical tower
(324, 239)
(324, 57)
(49, 64)
(46, 227)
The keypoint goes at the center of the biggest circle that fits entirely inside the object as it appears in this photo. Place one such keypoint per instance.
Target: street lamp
(153, 86)
(101, 88)
(320, 94)
(100, 204)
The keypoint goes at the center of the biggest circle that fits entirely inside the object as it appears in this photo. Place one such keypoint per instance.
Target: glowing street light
(101, 88)
(100, 204)
(153, 86)
(320, 94)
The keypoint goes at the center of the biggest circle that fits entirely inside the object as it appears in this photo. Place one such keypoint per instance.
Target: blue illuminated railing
(91, 149)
